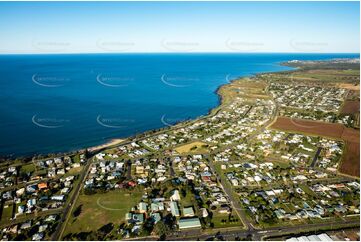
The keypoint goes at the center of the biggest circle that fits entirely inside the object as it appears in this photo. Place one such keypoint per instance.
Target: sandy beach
(107, 144)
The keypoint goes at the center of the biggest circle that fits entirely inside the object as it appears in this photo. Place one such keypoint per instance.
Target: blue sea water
(60, 103)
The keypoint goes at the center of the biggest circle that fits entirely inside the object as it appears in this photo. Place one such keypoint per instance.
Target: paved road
(228, 190)
(26, 217)
(261, 234)
(256, 234)
(58, 234)
(229, 233)
(316, 156)
(234, 201)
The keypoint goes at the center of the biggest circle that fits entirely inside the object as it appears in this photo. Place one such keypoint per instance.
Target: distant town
(278, 159)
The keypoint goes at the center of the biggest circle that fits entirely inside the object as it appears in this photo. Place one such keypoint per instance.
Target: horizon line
(184, 52)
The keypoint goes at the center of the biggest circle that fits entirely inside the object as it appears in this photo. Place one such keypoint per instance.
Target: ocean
(61, 103)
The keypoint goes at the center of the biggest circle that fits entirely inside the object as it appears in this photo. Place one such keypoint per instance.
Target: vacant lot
(351, 107)
(244, 87)
(351, 160)
(102, 208)
(194, 147)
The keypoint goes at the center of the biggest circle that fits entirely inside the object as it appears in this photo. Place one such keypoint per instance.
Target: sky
(118, 27)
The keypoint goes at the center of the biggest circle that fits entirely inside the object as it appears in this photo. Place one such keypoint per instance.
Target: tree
(184, 192)
(77, 211)
(106, 229)
(161, 229)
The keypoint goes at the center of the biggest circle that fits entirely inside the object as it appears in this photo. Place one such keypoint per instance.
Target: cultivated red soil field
(351, 160)
(351, 107)
(308, 126)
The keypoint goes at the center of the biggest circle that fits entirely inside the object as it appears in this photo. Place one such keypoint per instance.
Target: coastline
(120, 140)
(106, 144)
(211, 111)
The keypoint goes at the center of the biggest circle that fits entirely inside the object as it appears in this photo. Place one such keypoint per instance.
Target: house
(187, 223)
(31, 202)
(14, 229)
(320, 237)
(42, 185)
(206, 178)
(138, 218)
(158, 199)
(50, 218)
(188, 212)
(340, 209)
(156, 217)
(31, 188)
(25, 225)
(142, 181)
(313, 238)
(234, 182)
(43, 227)
(20, 192)
(143, 207)
(60, 172)
(175, 196)
(324, 237)
(139, 169)
(58, 197)
(21, 209)
(38, 236)
(280, 213)
(174, 209)
(204, 212)
(224, 209)
(156, 206)
(128, 216)
(65, 190)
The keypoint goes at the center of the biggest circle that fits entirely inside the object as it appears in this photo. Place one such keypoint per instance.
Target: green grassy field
(74, 171)
(28, 168)
(187, 201)
(102, 208)
(7, 214)
(218, 223)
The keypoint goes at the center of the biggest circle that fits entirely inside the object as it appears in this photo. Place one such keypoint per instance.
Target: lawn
(76, 158)
(74, 171)
(102, 208)
(278, 161)
(194, 147)
(289, 208)
(29, 168)
(7, 214)
(187, 201)
(222, 221)
(307, 190)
